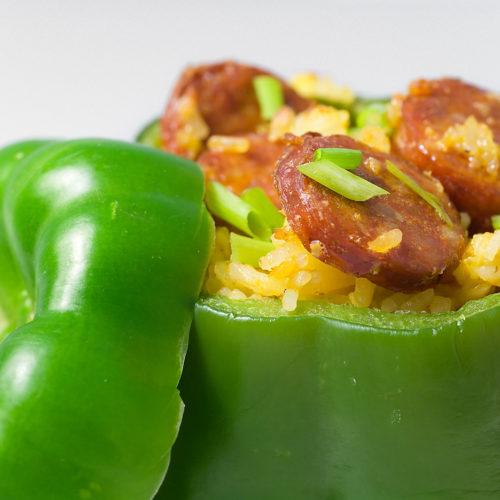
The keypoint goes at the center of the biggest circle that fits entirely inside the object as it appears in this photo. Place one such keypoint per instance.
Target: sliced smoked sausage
(444, 129)
(240, 171)
(223, 97)
(346, 232)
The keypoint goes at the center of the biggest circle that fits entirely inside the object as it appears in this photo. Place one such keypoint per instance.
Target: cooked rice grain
(290, 273)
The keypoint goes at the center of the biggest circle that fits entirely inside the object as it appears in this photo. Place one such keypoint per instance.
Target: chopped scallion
(259, 201)
(232, 209)
(495, 221)
(248, 250)
(269, 93)
(354, 132)
(430, 198)
(345, 158)
(362, 103)
(374, 115)
(341, 181)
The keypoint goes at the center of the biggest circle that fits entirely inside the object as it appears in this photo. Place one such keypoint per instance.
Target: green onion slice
(345, 158)
(232, 209)
(269, 93)
(248, 250)
(372, 115)
(258, 200)
(430, 198)
(340, 180)
(495, 221)
(354, 132)
(362, 103)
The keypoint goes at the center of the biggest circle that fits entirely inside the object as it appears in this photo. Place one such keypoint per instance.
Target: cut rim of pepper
(402, 321)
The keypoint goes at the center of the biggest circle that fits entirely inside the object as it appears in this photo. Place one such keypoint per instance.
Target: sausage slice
(239, 171)
(347, 234)
(222, 95)
(428, 111)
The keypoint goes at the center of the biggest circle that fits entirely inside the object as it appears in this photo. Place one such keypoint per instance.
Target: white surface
(104, 67)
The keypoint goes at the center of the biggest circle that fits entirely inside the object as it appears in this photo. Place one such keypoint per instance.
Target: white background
(104, 68)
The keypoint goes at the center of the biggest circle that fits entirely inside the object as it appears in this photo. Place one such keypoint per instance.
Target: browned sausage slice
(470, 178)
(348, 233)
(222, 95)
(239, 171)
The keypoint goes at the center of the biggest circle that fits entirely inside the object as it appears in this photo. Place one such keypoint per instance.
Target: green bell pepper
(16, 306)
(112, 241)
(150, 134)
(338, 402)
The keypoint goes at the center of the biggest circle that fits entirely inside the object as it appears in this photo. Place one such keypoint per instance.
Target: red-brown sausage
(343, 229)
(239, 171)
(225, 98)
(427, 112)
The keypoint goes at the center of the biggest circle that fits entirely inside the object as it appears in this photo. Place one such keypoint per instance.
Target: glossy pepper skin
(112, 240)
(334, 402)
(16, 305)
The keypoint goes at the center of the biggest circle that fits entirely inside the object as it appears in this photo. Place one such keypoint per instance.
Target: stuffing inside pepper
(289, 266)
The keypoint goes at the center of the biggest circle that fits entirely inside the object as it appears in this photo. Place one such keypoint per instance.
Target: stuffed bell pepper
(110, 241)
(347, 342)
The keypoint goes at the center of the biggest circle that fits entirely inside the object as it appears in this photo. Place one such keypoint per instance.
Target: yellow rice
(476, 140)
(312, 86)
(192, 127)
(290, 273)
